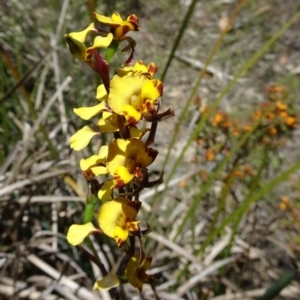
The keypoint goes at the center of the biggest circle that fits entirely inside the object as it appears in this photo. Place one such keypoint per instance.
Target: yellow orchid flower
(90, 55)
(118, 26)
(116, 218)
(135, 95)
(127, 159)
(76, 42)
(136, 273)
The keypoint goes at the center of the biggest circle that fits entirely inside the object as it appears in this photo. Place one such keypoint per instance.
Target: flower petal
(120, 236)
(109, 281)
(101, 42)
(99, 170)
(103, 152)
(122, 177)
(101, 92)
(116, 154)
(116, 18)
(146, 156)
(133, 147)
(152, 69)
(131, 209)
(87, 113)
(111, 215)
(137, 133)
(108, 122)
(123, 89)
(82, 137)
(77, 233)
(152, 90)
(131, 115)
(81, 35)
(87, 163)
(105, 20)
(105, 192)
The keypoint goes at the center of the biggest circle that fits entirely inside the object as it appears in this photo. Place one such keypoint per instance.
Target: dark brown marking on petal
(131, 121)
(118, 181)
(159, 86)
(119, 241)
(125, 29)
(136, 204)
(152, 68)
(151, 152)
(134, 21)
(149, 106)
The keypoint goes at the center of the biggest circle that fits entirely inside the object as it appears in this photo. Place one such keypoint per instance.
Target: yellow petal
(131, 115)
(87, 113)
(116, 154)
(108, 122)
(133, 147)
(123, 89)
(120, 236)
(140, 67)
(137, 133)
(130, 209)
(99, 170)
(111, 280)
(103, 152)
(87, 163)
(152, 90)
(106, 190)
(101, 92)
(116, 18)
(104, 19)
(124, 71)
(81, 138)
(77, 233)
(100, 42)
(81, 35)
(110, 216)
(146, 156)
(122, 177)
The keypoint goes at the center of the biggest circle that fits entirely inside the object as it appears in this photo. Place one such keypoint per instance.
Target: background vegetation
(225, 225)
